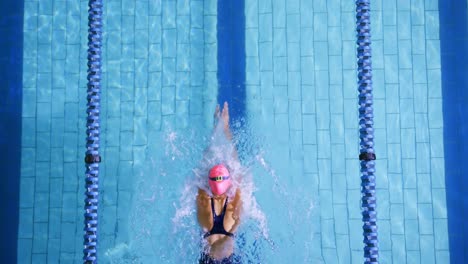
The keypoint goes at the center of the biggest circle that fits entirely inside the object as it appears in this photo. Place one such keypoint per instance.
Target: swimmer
(219, 215)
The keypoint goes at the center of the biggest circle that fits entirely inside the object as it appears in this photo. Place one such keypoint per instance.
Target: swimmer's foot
(225, 118)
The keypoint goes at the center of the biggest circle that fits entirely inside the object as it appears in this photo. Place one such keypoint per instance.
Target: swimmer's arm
(237, 210)
(203, 209)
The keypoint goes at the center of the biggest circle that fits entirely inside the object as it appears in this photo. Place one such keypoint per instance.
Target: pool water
(294, 104)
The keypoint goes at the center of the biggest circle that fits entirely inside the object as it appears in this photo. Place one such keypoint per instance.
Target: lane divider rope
(366, 133)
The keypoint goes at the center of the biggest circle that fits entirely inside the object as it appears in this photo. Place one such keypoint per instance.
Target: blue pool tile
(407, 113)
(417, 12)
(307, 42)
(395, 187)
(310, 159)
(27, 192)
(393, 123)
(349, 62)
(385, 242)
(320, 27)
(336, 105)
(265, 31)
(350, 113)
(69, 202)
(42, 176)
(252, 73)
(412, 235)
(408, 141)
(389, 13)
(321, 55)
(127, 115)
(28, 139)
(280, 70)
(434, 83)
(183, 29)
(30, 15)
(140, 125)
(308, 99)
(419, 70)
(210, 7)
(40, 238)
(264, 7)
(404, 24)
(406, 83)
(53, 251)
(413, 256)
(28, 168)
(310, 129)
(351, 144)
(169, 14)
(67, 240)
(55, 192)
(442, 256)
(295, 118)
(423, 158)
(294, 87)
(394, 158)
(432, 25)
(266, 59)
(43, 120)
(44, 32)
(425, 218)
(45, 8)
(440, 234)
(391, 69)
(323, 120)
(411, 207)
(70, 173)
(427, 249)
(155, 8)
(439, 204)
(41, 201)
(326, 206)
(384, 202)
(307, 71)
(403, 5)
(437, 173)
(435, 113)
(336, 70)
(398, 249)
(54, 223)
(356, 236)
(169, 37)
(341, 219)
(279, 13)
(141, 19)
(294, 60)
(339, 188)
(342, 246)
(418, 40)
(125, 148)
(26, 223)
(252, 43)
(279, 42)
(155, 29)
(409, 173)
(324, 174)
(390, 41)
(38, 258)
(405, 58)
(437, 148)
(397, 219)
(422, 133)
(154, 86)
(322, 83)
(337, 130)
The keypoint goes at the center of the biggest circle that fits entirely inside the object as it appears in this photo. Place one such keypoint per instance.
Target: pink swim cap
(219, 179)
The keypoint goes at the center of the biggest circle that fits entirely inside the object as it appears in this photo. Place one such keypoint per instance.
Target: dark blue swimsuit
(218, 228)
(218, 222)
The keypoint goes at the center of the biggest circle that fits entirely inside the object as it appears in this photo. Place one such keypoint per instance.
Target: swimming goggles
(219, 178)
